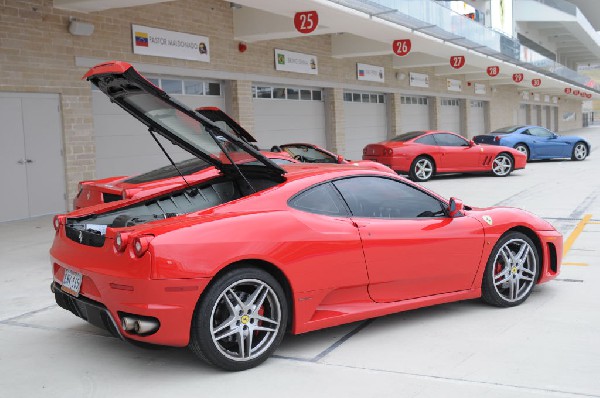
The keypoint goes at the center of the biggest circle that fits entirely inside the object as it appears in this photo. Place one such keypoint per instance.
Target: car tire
(422, 169)
(514, 264)
(502, 165)
(244, 305)
(580, 151)
(523, 149)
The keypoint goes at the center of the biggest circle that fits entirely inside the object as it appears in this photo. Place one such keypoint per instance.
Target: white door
(414, 114)
(544, 121)
(522, 118)
(123, 144)
(450, 115)
(476, 118)
(553, 118)
(31, 160)
(285, 114)
(534, 115)
(365, 118)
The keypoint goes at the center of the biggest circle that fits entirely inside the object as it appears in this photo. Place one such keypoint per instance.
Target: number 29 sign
(401, 47)
(306, 21)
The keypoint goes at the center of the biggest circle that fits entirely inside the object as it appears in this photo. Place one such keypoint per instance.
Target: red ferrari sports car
(422, 154)
(226, 266)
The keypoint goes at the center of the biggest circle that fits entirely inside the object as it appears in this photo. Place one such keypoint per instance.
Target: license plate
(72, 282)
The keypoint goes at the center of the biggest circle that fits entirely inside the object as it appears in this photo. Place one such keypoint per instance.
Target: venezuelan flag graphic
(361, 72)
(141, 39)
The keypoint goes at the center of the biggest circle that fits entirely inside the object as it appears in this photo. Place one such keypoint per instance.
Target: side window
(426, 140)
(378, 197)
(322, 199)
(540, 132)
(308, 154)
(444, 139)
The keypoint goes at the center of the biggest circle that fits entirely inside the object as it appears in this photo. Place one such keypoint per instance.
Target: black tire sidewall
(200, 337)
(488, 290)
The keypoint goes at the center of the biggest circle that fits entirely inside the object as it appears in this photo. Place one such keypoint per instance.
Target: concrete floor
(547, 347)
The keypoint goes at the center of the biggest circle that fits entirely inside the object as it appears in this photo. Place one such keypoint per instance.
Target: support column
(435, 107)
(394, 117)
(465, 111)
(238, 94)
(334, 120)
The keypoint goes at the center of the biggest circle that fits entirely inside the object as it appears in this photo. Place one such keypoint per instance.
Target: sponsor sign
(568, 116)
(370, 73)
(401, 47)
(555, 100)
(525, 95)
(536, 82)
(169, 44)
(418, 79)
(457, 61)
(517, 77)
(296, 62)
(306, 21)
(480, 88)
(536, 96)
(546, 98)
(454, 85)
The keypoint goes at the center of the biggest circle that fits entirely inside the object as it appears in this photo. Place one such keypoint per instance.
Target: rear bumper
(105, 298)
(396, 163)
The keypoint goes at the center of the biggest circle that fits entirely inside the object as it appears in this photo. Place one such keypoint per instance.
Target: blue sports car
(537, 142)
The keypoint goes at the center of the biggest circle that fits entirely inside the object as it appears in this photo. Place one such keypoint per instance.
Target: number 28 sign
(306, 21)
(401, 47)
(457, 61)
(493, 70)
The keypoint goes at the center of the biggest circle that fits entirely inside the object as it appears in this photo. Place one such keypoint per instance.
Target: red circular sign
(588, 95)
(575, 92)
(568, 90)
(493, 70)
(401, 47)
(536, 82)
(517, 77)
(306, 21)
(457, 61)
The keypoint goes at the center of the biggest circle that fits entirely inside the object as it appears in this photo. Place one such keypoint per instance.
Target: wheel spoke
(257, 298)
(504, 275)
(228, 322)
(512, 292)
(521, 255)
(226, 334)
(265, 319)
(240, 338)
(265, 329)
(249, 343)
(527, 271)
(236, 297)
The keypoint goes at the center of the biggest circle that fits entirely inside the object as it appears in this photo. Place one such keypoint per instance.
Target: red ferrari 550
(422, 154)
(227, 265)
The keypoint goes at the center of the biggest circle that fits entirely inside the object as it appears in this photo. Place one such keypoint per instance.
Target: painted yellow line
(577, 264)
(594, 222)
(575, 234)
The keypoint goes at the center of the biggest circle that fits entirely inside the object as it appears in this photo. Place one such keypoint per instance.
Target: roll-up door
(123, 144)
(414, 113)
(366, 121)
(449, 119)
(285, 114)
(534, 115)
(544, 121)
(522, 118)
(476, 118)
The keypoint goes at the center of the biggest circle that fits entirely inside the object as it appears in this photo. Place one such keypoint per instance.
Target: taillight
(389, 152)
(121, 241)
(497, 138)
(56, 221)
(140, 244)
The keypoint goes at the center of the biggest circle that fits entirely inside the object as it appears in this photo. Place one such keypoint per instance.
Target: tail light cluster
(497, 138)
(57, 221)
(388, 151)
(139, 244)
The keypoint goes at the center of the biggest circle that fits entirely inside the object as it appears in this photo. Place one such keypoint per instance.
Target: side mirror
(340, 159)
(554, 136)
(455, 207)
(472, 143)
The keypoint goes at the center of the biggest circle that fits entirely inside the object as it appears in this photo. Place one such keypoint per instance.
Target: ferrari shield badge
(487, 219)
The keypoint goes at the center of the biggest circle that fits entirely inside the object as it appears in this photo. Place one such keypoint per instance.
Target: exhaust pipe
(128, 323)
(140, 326)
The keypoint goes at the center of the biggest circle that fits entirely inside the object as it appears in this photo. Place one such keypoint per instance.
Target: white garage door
(414, 113)
(534, 115)
(288, 114)
(366, 121)
(123, 144)
(553, 118)
(522, 119)
(477, 118)
(450, 115)
(544, 121)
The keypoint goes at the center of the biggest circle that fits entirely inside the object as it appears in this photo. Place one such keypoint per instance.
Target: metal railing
(435, 19)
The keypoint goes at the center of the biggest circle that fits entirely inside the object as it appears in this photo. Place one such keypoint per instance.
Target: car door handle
(21, 161)
(28, 161)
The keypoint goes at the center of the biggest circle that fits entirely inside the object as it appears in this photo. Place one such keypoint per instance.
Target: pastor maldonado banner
(370, 72)
(166, 43)
(296, 62)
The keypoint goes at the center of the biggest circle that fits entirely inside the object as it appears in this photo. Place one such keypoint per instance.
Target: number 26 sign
(306, 21)
(401, 47)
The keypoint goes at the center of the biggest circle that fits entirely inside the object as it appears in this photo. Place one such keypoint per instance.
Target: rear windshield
(186, 167)
(506, 130)
(407, 136)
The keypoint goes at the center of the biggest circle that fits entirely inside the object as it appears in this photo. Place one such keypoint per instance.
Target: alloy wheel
(423, 169)
(502, 165)
(580, 151)
(514, 271)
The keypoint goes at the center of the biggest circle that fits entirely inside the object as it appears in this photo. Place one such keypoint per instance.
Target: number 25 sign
(493, 70)
(306, 21)
(401, 47)
(457, 61)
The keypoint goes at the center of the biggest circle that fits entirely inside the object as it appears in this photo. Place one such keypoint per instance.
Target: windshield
(407, 136)
(186, 167)
(506, 130)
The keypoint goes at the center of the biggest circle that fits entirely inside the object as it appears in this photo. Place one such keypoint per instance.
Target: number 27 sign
(401, 47)
(306, 21)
